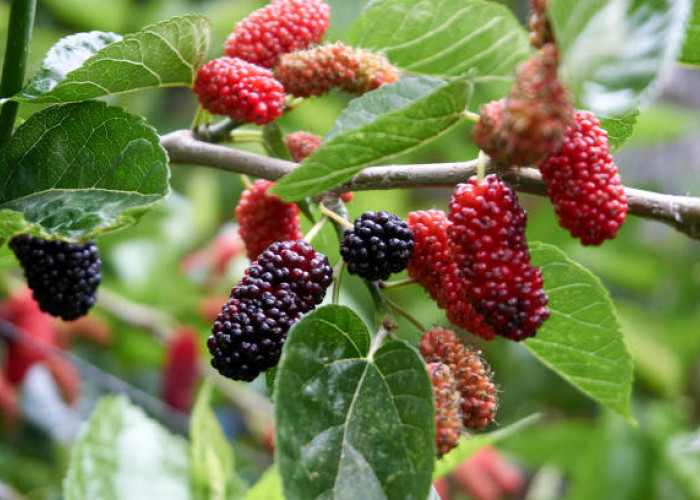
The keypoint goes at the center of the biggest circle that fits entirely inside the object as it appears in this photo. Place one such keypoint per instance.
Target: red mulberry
(302, 144)
(446, 396)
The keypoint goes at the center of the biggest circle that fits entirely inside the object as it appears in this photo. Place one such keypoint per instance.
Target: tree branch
(680, 212)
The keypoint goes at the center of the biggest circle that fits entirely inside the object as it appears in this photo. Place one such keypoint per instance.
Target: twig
(402, 312)
(150, 319)
(680, 212)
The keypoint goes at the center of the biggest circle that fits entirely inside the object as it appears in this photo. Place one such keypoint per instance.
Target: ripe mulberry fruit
(540, 28)
(318, 70)
(472, 374)
(379, 244)
(487, 238)
(264, 219)
(433, 267)
(242, 91)
(446, 396)
(583, 183)
(289, 279)
(280, 27)
(302, 144)
(63, 276)
(529, 125)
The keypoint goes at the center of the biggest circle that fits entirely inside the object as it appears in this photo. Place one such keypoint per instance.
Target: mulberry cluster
(433, 267)
(264, 219)
(540, 28)
(446, 397)
(289, 279)
(242, 91)
(583, 183)
(302, 144)
(379, 244)
(63, 276)
(318, 70)
(474, 379)
(282, 26)
(529, 125)
(487, 237)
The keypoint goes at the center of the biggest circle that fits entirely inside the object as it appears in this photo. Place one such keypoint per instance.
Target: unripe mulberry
(242, 91)
(63, 276)
(529, 125)
(264, 219)
(433, 267)
(446, 396)
(470, 371)
(540, 28)
(318, 70)
(181, 369)
(379, 244)
(302, 144)
(487, 238)
(280, 27)
(583, 183)
(289, 279)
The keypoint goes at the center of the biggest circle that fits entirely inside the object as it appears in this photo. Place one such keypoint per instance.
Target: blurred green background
(579, 451)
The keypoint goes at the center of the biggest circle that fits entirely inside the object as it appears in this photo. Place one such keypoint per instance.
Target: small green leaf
(375, 127)
(447, 38)
(691, 48)
(468, 445)
(80, 169)
(351, 420)
(619, 129)
(582, 341)
(68, 54)
(212, 469)
(268, 487)
(274, 142)
(163, 54)
(121, 453)
(614, 51)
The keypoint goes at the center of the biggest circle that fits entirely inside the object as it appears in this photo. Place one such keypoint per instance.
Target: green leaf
(447, 38)
(66, 55)
(348, 419)
(274, 142)
(614, 51)
(376, 127)
(212, 469)
(582, 341)
(619, 129)
(160, 55)
(268, 487)
(122, 454)
(691, 48)
(468, 445)
(79, 169)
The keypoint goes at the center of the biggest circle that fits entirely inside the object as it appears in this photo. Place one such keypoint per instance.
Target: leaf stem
(402, 312)
(245, 180)
(197, 120)
(19, 34)
(382, 333)
(471, 116)
(481, 165)
(393, 285)
(315, 230)
(337, 280)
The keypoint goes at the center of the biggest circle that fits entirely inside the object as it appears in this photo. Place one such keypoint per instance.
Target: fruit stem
(337, 279)
(315, 230)
(386, 285)
(19, 34)
(332, 215)
(245, 180)
(219, 132)
(481, 165)
(197, 120)
(470, 116)
(402, 312)
(292, 102)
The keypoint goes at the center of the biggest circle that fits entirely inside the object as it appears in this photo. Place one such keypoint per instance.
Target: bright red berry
(433, 267)
(264, 219)
(320, 69)
(540, 28)
(302, 144)
(242, 91)
(280, 27)
(583, 183)
(181, 369)
(529, 125)
(470, 371)
(487, 238)
(447, 400)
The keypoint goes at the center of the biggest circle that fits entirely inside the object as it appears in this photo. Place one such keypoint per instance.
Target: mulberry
(446, 396)
(302, 144)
